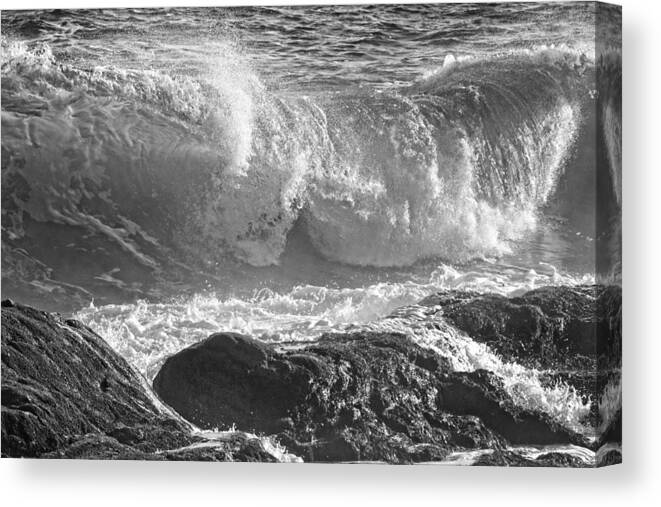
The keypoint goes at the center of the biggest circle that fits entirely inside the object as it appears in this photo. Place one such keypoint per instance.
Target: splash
(146, 334)
(525, 387)
(454, 167)
(610, 402)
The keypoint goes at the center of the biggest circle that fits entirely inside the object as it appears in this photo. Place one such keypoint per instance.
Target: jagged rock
(573, 334)
(320, 401)
(234, 446)
(480, 393)
(240, 447)
(613, 432)
(59, 379)
(100, 446)
(609, 457)
(347, 397)
(505, 458)
(575, 328)
(67, 394)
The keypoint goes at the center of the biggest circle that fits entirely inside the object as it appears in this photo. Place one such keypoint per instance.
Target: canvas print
(326, 233)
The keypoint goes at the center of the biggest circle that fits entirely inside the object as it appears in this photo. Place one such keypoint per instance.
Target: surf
(454, 166)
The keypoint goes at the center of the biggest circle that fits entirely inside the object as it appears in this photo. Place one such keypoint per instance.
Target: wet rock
(347, 397)
(589, 384)
(234, 446)
(67, 394)
(240, 447)
(503, 459)
(321, 400)
(613, 432)
(508, 458)
(481, 393)
(100, 446)
(609, 457)
(561, 459)
(572, 328)
(572, 334)
(53, 378)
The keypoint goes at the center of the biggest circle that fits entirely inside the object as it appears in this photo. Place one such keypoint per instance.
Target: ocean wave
(454, 167)
(609, 158)
(609, 80)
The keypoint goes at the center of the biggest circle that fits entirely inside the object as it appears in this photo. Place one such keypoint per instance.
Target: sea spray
(377, 178)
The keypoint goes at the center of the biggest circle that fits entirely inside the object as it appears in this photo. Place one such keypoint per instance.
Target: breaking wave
(454, 166)
(609, 153)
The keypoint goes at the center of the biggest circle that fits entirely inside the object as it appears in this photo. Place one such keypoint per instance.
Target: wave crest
(454, 166)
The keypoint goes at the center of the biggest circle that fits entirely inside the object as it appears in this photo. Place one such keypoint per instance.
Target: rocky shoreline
(67, 394)
(347, 397)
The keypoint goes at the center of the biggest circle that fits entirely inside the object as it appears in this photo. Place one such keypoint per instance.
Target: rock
(320, 401)
(354, 396)
(67, 394)
(59, 379)
(99, 446)
(240, 447)
(574, 328)
(480, 393)
(572, 334)
(507, 458)
(232, 446)
(609, 457)
(503, 459)
(561, 459)
(613, 432)
(348, 397)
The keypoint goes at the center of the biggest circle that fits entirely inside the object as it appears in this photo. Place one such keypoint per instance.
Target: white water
(379, 178)
(145, 334)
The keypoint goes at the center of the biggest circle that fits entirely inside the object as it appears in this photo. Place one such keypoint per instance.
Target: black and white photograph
(350, 234)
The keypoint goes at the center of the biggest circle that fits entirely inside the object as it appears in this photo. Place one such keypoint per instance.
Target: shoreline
(345, 410)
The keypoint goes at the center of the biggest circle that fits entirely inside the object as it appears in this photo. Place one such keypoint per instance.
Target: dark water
(283, 171)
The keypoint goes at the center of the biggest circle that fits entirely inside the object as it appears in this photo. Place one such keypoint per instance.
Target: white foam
(610, 402)
(380, 183)
(146, 333)
(525, 386)
(380, 179)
